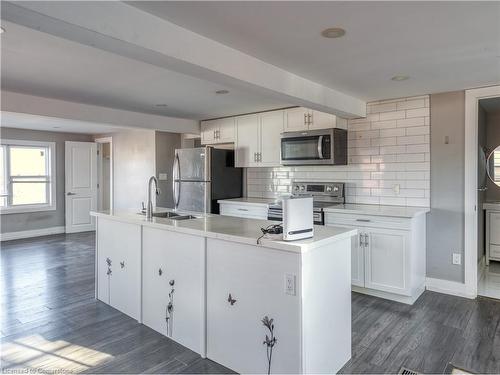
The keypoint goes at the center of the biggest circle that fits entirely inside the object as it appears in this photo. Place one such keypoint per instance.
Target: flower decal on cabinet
(270, 340)
(169, 314)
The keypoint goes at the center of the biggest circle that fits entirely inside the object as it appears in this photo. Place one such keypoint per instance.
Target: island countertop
(233, 229)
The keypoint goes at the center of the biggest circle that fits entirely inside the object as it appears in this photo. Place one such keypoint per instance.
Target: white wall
(390, 147)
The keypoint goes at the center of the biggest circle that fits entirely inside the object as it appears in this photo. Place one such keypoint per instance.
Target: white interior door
(81, 185)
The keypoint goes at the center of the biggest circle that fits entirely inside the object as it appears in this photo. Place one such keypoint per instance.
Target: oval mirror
(493, 166)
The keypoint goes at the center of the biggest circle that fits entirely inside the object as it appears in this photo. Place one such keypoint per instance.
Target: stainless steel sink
(184, 217)
(169, 215)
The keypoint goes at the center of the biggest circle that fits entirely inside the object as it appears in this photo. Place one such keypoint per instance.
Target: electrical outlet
(457, 258)
(290, 284)
(396, 188)
(163, 177)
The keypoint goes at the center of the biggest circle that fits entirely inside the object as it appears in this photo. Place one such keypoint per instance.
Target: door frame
(471, 210)
(99, 142)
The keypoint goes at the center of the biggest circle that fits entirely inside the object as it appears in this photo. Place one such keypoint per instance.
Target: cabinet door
(321, 120)
(272, 125)
(120, 244)
(247, 140)
(226, 130)
(387, 260)
(494, 228)
(125, 286)
(208, 130)
(255, 279)
(296, 119)
(178, 259)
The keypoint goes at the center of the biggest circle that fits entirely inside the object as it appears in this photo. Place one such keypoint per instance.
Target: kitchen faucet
(149, 210)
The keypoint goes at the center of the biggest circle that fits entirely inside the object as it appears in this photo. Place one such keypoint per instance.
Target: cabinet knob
(160, 272)
(109, 272)
(122, 264)
(108, 262)
(231, 300)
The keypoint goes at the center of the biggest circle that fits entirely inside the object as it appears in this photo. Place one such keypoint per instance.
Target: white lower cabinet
(243, 287)
(173, 286)
(118, 266)
(387, 256)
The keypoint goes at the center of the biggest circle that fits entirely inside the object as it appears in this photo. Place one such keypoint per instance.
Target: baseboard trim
(31, 233)
(481, 268)
(447, 287)
(409, 300)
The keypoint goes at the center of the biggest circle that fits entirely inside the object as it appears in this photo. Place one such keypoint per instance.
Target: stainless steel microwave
(314, 147)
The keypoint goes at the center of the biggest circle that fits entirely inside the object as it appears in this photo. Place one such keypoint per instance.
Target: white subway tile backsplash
(389, 147)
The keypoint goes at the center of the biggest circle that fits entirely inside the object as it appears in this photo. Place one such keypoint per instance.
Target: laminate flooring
(50, 322)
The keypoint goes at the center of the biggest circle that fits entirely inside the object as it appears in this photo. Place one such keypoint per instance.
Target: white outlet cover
(290, 284)
(457, 258)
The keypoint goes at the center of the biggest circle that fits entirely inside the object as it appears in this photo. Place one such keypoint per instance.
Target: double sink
(172, 215)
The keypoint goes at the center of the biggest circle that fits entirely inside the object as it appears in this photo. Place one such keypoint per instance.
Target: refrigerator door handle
(175, 180)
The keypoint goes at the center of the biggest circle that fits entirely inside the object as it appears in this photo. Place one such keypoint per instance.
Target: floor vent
(406, 371)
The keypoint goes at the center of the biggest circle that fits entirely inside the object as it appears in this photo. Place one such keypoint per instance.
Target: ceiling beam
(47, 107)
(122, 29)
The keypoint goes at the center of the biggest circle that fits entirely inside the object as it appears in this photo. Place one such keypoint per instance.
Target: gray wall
(166, 143)
(133, 164)
(492, 141)
(47, 219)
(445, 223)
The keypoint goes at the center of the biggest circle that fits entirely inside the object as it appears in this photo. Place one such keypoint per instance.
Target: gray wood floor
(50, 320)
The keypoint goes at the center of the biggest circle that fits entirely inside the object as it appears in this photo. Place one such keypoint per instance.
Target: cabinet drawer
(246, 211)
(352, 220)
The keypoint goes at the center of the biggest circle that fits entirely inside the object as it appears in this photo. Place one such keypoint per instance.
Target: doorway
(104, 173)
(489, 197)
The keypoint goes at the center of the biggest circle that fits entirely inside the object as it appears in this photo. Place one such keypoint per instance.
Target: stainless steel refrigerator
(203, 175)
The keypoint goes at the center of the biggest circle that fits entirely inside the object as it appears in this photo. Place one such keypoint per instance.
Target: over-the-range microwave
(314, 147)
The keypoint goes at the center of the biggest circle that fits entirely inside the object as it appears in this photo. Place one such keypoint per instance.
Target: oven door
(306, 148)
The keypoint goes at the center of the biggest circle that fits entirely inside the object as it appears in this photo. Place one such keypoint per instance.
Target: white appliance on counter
(298, 220)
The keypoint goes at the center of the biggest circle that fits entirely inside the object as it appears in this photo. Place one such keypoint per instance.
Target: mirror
(493, 166)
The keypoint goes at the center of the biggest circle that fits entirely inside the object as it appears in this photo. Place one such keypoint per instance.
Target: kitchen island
(207, 284)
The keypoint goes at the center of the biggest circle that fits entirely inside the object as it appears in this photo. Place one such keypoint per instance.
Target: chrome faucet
(149, 210)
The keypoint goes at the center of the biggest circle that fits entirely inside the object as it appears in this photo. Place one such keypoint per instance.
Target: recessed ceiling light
(161, 105)
(2, 30)
(400, 78)
(222, 92)
(333, 32)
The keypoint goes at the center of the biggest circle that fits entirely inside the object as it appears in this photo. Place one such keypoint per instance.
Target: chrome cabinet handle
(122, 264)
(242, 209)
(361, 240)
(309, 117)
(231, 300)
(364, 220)
(109, 272)
(108, 262)
(160, 271)
(366, 239)
(305, 118)
(70, 193)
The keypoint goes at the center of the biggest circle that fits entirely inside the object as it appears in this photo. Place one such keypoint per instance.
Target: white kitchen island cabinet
(173, 272)
(118, 274)
(222, 287)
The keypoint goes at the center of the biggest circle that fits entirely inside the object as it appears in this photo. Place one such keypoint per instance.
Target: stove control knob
(335, 188)
(328, 189)
(302, 188)
(296, 187)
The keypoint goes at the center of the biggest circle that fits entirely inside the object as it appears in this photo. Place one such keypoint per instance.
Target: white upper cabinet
(297, 119)
(271, 127)
(218, 131)
(247, 140)
(258, 139)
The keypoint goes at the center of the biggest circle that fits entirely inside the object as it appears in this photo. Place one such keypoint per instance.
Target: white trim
(472, 98)
(409, 300)
(111, 176)
(448, 287)
(31, 233)
(52, 174)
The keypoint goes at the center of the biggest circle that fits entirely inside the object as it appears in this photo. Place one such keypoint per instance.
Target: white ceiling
(41, 64)
(53, 124)
(442, 46)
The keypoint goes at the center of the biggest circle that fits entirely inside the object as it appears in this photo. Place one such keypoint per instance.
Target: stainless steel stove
(324, 194)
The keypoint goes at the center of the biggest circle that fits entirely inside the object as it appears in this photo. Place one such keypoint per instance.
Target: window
(27, 176)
